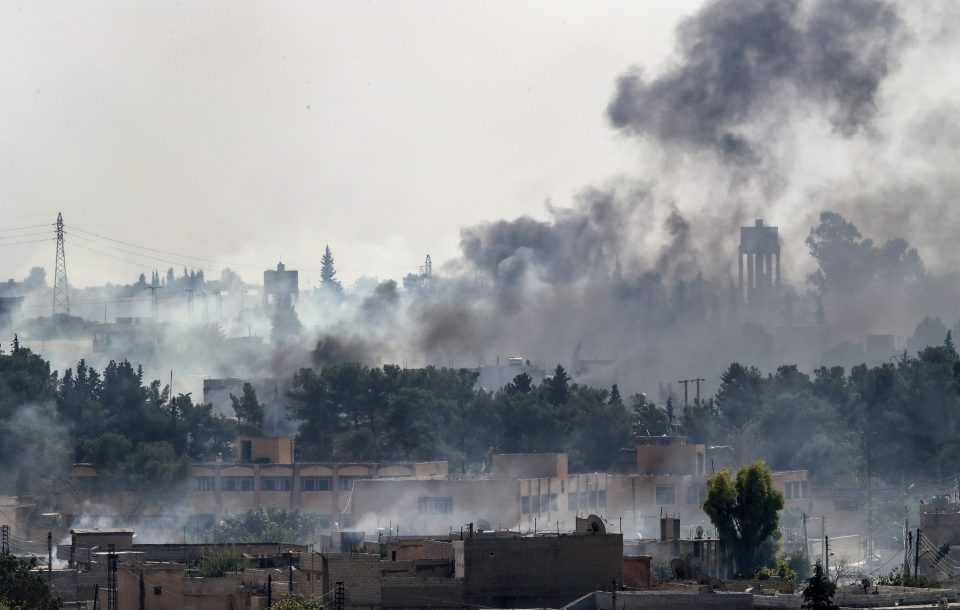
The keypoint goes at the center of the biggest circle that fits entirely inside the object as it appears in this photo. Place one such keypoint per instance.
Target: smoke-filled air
(770, 273)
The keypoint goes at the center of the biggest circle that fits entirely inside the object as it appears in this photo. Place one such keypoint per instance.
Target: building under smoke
(280, 287)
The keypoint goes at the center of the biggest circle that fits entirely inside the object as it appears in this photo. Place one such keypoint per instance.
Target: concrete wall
(421, 593)
(656, 600)
(379, 503)
(272, 449)
(360, 574)
(398, 549)
(671, 459)
(552, 570)
(636, 572)
(166, 588)
(941, 528)
(529, 465)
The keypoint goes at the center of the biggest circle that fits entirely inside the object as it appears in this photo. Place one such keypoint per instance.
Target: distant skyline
(252, 132)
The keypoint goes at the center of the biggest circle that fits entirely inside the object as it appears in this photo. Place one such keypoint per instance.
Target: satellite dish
(595, 525)
(699, 532)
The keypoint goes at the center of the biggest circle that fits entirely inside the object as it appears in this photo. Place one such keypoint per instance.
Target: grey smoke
(336, 349)
(746, 64)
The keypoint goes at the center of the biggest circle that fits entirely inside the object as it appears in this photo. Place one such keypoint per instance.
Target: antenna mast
(61, 300)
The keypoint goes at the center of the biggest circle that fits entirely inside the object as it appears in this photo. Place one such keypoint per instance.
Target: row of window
(275, 483)
(794, 490)
(538, 504)
(583, 500)
(433, 505)
(586, 500)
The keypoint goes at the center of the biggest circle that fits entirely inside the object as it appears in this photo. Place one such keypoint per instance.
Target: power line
(167, 252)
(132, 253)
(47, 225)
(30, 234)
(32, 241)
(139, 264)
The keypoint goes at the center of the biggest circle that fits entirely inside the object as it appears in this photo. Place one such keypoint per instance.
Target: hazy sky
(248, 132)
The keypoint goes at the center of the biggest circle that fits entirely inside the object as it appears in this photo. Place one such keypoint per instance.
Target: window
(534, 504)
(525, 504)
(593, 498)
(325, 521)
(237, 483)
(276, 483)
(794, 490)
(553, 502)
(346, 481)
(430, 505)
(665, 495)
(602, 498)
(572, 500)
(316, 483)
(206, 483)
(584, 504)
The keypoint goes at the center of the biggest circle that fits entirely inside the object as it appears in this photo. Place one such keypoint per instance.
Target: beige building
(265, 475)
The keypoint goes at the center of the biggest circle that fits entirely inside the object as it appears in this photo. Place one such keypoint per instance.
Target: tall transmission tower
(61, 300)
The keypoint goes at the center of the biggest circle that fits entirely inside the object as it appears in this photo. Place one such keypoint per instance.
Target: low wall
(704, 599)
(407, 592)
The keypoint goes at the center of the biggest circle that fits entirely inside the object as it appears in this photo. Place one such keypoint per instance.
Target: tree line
(901, 419)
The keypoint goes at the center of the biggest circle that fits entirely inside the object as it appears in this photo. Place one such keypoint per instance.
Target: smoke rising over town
(766, 273)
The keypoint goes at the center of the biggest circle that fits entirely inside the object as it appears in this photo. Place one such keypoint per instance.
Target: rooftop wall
(529, 465)
(537, 570)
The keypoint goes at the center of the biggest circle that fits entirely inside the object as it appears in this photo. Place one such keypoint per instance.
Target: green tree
(250, 413)
(648, 418)
(297, 602)
(521, 384)
(23, 587)
(744, 512)
(328, 273)
(222, 561)
(819, 591)
(740, 395)
(615, 399)
(558, 386)
(273, 524)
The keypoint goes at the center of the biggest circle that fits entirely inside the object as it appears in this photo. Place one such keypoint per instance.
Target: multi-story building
(532, 492)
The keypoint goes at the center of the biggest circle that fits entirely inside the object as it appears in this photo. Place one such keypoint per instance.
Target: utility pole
(49, 556)
(823, 539)
(916, 556)
(61, 299)
(685, 383)
(906, 547)
(868, 543)
(806, 543)
(826, 556)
